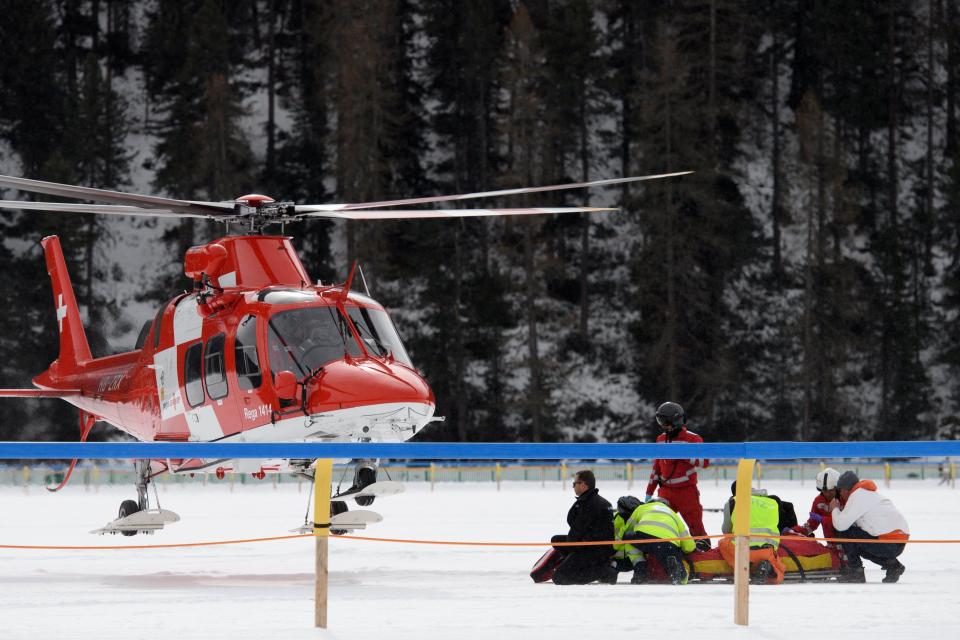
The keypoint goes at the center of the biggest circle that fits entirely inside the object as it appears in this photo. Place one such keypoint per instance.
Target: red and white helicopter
(255, 353)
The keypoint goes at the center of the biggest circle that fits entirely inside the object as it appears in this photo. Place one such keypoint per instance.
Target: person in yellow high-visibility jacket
(627, 557)
(765, 565)
(656, 521)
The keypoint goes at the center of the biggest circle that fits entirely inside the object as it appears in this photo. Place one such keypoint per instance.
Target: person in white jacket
(864, 514)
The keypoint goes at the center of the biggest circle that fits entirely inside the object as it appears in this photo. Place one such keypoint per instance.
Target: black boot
(639, 573)
(894, 570)
(676, 571)
(852, 574)
(609, 575)
(762, 573)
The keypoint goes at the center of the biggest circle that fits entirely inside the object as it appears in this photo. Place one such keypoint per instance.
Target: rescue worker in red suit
(820, 509)
(677, 479)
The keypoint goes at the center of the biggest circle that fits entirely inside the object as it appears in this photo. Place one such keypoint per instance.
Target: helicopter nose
(358, 383)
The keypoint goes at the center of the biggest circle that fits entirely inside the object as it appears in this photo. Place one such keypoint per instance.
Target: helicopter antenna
(365, 287)
(346, 285)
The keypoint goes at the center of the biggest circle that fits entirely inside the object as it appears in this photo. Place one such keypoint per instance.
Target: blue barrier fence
(478, 450)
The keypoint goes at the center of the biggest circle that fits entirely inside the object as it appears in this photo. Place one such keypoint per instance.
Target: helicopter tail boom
(74, 348)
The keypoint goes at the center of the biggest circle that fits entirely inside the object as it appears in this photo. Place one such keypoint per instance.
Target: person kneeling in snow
(655, 521)
(865, 514)
(590, 519)
(766, 566)
(627, 557)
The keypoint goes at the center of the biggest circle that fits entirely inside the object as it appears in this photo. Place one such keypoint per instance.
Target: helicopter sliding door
(253, 398)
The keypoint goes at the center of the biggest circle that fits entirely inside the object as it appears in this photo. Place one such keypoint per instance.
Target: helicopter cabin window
(214, 373)
(245, 353)
(303, 340)
(378, 333)
(156, 326)
(193, 374)
(144, 332)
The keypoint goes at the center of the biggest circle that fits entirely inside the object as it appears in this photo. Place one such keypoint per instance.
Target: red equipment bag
(544, 567)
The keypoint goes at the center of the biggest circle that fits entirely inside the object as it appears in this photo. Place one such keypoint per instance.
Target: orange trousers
(728, 551)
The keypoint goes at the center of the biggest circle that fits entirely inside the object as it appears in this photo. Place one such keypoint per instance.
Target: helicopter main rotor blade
(482, 194)
(398, 214)
(114, 197)
(112, 209)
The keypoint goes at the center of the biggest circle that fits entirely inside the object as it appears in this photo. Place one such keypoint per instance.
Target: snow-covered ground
(392, 590)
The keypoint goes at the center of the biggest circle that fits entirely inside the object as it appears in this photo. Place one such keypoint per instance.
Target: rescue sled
(803, 558)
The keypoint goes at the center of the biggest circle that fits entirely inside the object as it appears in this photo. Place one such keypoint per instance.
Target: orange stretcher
(803, 560)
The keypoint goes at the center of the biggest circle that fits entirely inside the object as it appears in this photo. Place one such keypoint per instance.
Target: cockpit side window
(245, 353)
(377, 331)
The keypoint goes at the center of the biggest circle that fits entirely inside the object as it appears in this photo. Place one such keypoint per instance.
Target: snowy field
(392, 590)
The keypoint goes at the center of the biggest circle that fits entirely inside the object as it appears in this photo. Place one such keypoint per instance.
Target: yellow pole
(953, 474)
(498, 476)
(741, 532)
(433, 474)
(759, 474)
(629, 475)
(96, 478)
(26, 478)
(886, 474)
(322, 477)
(563, 474)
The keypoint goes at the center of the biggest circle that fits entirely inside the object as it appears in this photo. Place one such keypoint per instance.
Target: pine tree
(201, 152)
(462, 343)
(523, 130)
(697, 235)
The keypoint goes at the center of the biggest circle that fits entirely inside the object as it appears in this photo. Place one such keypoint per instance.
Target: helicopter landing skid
(146, 521)
(382, 488)
(343, 522)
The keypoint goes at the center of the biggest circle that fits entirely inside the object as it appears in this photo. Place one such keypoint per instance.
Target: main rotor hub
(257, 211)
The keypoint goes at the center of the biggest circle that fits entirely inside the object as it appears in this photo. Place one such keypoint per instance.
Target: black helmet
(626, 505)
(671, 416)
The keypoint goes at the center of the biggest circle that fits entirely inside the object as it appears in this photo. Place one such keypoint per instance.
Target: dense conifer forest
(803, 284)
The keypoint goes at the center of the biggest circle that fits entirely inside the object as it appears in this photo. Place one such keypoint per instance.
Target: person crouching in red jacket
(677, 479)
(820, 509)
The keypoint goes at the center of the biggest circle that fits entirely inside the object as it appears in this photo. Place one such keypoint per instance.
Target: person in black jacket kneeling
(590, 519)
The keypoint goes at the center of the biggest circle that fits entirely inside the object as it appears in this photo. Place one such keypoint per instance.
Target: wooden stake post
(323, 475)
(741, 532)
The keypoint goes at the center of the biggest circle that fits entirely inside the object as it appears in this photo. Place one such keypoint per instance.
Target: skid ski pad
(346, 521)
(146, 521)
(383, 488)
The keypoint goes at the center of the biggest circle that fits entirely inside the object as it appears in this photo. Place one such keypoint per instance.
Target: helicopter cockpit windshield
(303, 340)
(378, 333)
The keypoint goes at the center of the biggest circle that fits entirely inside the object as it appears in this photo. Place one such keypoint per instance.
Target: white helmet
(827, 479)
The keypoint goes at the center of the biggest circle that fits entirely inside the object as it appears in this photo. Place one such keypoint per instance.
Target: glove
(647, 498)
(703, 544)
